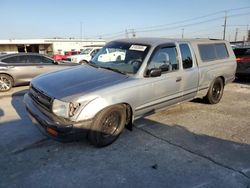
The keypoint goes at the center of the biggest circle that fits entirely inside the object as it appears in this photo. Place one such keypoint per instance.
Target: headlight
(60, 108)
(64, 109)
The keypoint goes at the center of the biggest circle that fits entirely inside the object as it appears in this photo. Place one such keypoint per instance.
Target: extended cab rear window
(211, 52)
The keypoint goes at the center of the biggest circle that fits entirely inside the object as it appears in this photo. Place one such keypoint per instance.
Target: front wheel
(107, 126)
(6, 82)
(215, 91)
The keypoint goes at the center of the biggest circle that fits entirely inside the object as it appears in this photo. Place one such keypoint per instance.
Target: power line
(116, 36)
(238, 25)
(191, 24)
(180, 26)
(163, 26)
(194, 18)
(109, 34)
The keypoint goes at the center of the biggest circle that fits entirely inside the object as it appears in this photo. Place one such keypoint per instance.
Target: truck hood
(77, 81)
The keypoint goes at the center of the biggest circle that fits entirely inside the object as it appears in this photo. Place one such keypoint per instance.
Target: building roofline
(45, 41)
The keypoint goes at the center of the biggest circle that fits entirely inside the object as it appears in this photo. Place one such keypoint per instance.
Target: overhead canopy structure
(46, 46)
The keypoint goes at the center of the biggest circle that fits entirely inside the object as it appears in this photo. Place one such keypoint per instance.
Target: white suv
(112, 55)
(85, 55)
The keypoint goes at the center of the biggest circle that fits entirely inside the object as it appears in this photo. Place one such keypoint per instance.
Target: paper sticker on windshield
(138, 48)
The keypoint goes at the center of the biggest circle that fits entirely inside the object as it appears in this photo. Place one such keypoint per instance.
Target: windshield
(122, 57)
(86, 51)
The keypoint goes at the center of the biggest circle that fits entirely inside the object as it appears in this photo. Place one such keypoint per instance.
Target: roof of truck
(157, 41)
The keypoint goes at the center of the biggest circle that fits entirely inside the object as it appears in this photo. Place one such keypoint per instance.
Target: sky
(29, 19)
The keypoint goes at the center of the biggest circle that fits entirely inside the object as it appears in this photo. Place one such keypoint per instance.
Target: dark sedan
(243, 62)
(19, 69)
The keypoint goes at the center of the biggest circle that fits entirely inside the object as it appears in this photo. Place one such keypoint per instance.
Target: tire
(6, 82)
(83, 62)
(114, 118)
(215, 91)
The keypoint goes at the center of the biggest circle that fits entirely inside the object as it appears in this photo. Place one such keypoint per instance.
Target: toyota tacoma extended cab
(100, 98)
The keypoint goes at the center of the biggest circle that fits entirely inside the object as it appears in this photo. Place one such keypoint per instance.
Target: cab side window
(164, 59)
(186, 56)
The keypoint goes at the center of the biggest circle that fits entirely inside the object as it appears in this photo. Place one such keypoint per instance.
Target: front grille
(41, 98)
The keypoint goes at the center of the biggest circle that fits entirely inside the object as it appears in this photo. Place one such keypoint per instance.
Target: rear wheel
(215, 91)
(107, 126)
(6, 82)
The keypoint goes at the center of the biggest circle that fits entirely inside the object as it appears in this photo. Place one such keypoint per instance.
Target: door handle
(178, 79)
(39, 66)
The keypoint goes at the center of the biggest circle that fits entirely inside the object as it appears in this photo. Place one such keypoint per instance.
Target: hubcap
(5, 83)
(216, 91)
(111, 124)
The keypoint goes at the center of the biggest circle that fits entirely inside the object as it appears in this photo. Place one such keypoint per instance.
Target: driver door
(164, 90)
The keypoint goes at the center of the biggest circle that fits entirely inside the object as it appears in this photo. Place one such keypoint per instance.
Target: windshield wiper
(108, 68)
(115, 70)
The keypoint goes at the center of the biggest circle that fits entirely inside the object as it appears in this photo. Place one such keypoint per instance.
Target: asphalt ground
(189, 145)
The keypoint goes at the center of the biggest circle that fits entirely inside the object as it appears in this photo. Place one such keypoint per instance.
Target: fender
(92, 108)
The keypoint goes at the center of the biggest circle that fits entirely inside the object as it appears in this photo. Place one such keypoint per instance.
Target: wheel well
(129, 113)
(223, 79)
(9, 76)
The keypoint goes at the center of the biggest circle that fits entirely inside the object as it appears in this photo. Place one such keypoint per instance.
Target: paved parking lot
(189, 145)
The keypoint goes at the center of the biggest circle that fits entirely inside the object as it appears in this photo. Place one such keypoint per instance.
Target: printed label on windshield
(138, 48)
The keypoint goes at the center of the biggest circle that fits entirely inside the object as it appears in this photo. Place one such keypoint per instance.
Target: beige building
(47, 46)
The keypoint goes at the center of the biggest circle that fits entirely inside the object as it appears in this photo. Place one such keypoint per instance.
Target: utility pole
(248, 34)
(126, 33)
(81, 32)
(133, 33)
(182, 33)
(236, 34)
(225, 26)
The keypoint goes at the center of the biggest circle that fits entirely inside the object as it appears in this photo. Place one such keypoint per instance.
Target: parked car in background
(243, 62)
(101, 97)
(59, 57)
(19, 69)
(112, 55)
(85, 56)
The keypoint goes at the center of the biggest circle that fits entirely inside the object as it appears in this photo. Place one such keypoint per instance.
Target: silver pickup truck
(103, 96)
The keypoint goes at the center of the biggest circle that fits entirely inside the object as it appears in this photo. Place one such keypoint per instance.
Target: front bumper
(53, 126)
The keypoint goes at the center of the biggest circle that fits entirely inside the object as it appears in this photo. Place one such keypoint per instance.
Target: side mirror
(154, 73)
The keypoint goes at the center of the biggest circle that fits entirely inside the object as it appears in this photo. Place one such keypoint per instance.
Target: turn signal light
(52, 131)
